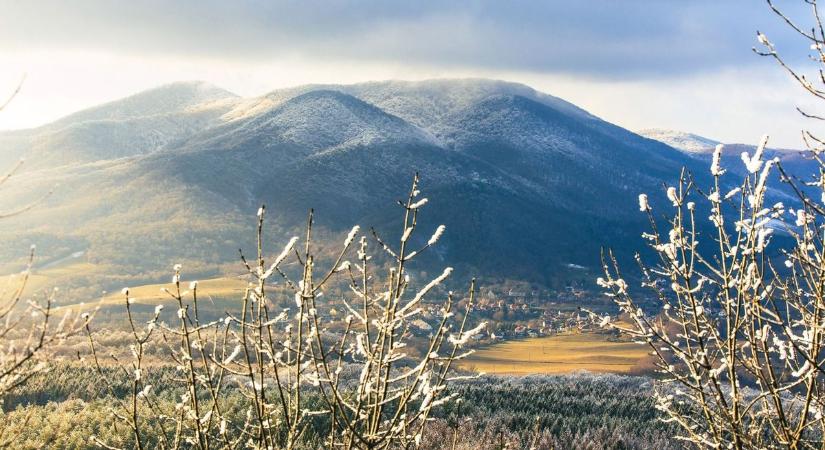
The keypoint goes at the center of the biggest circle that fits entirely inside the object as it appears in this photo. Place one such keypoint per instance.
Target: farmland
(559, 354)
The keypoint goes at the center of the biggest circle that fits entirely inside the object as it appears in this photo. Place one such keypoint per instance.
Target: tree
(350, 382)
(27, 325)
(740, 335)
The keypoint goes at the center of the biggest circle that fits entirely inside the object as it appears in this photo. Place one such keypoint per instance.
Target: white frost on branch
(351, 235)
(715, 168)
(419, 203)
(233, 355)
(671, 195)
(435, 282)
(467, 335)
(754, 163)
(280, 257)
(438, 232)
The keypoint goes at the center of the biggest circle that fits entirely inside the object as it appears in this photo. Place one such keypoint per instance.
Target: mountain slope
(175, 97)
(136, 125)
(526, 183)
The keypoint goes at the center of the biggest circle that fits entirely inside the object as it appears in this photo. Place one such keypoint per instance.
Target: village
(518, 314)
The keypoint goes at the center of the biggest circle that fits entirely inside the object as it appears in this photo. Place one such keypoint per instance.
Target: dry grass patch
(151, 294)
(558, 354)
(43, 279)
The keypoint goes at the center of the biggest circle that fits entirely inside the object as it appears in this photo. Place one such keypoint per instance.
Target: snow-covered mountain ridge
(687, 142)
(526, 183)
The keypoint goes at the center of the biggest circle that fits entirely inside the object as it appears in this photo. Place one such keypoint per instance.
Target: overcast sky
(685, 65)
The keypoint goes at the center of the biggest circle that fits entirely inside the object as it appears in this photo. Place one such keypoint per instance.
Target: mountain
(796, 162)
(529, 186)
(686, 142)
(132, 126)
(422, 103)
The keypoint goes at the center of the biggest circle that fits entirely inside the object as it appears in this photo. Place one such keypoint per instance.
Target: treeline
(581, 411)
(64, 407)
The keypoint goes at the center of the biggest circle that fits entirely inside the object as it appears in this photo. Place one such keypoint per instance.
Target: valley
(529, 186)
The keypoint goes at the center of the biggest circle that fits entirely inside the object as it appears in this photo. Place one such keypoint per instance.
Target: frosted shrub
(739, 339)
(295, 365)
(28, 326)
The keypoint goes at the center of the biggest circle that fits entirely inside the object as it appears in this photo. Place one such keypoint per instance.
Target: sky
(684, 65)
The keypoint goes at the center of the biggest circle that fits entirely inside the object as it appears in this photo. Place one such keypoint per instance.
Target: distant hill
(686, 142)
(797, 162)
(135, 125)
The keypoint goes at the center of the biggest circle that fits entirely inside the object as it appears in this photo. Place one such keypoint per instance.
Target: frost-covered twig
(291, 365)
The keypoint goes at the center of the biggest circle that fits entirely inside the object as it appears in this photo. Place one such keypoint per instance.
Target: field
(214, 294)
(558, 354)
(151, 293)
(45, 278)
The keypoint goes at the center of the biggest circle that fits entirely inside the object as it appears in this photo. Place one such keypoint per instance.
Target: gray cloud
(629, 39)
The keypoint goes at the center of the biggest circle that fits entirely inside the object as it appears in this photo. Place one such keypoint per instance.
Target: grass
(560, 354)
(151, 293)
(43, 279)
(209, 291)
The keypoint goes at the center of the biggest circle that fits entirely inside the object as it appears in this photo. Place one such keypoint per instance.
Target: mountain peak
(334, 95)
(427, 101)
(423, 103)
(168, 98)
(321, 119)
